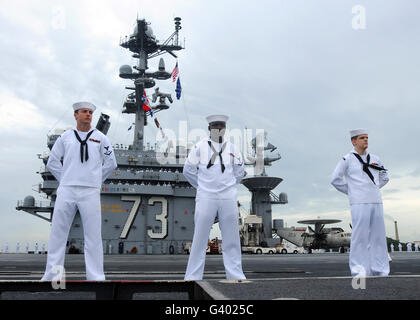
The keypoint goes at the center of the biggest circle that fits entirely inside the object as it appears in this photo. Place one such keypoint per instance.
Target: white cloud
(17, 114)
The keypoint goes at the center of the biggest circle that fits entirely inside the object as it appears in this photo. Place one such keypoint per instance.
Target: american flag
(146, 104)
(174, 73)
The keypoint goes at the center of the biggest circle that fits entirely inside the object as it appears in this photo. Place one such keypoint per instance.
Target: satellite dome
(283, 197)
(148, 32)
(29, 201)
(125, 69)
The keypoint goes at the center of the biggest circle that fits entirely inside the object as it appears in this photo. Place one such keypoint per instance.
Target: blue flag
(178, 89)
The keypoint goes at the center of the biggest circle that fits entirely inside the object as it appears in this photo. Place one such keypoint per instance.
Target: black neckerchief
(83, 144)
(367, 165)
(215, 154)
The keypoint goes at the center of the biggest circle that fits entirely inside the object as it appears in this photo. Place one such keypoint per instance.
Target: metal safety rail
(103, 290)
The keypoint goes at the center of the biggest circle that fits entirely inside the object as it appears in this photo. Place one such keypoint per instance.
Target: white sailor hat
(217, 117)
(358, 132)
(83, 104)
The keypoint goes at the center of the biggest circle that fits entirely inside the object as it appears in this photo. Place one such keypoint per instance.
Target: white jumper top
(349, 178)
(212, 182)
(90, 173)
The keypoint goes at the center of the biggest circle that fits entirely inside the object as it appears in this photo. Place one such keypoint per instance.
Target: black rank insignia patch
(107, 153)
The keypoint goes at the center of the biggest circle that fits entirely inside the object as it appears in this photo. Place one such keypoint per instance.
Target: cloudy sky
(305, 71)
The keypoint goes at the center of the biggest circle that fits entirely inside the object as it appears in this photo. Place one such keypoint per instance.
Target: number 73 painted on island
(162, 217)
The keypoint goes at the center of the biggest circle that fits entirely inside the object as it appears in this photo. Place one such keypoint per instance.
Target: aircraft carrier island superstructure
(148, 207)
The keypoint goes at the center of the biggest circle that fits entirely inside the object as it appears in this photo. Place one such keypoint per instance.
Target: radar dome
(29, 201)
(283, 198)
(148, 32)
(125, 69)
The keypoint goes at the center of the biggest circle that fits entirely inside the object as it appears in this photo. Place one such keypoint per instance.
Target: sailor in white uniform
(360, 175)
(81, 159)
(214, 167)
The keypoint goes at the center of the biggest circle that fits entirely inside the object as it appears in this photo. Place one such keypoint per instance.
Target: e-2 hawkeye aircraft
(317, 238)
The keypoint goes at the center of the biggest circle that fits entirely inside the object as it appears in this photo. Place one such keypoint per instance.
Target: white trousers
(205, 213)
(368, 248)
(87, 201)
